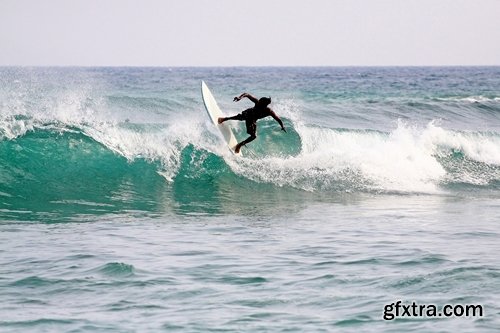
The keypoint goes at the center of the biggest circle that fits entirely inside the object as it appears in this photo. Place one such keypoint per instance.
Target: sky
(249, 33)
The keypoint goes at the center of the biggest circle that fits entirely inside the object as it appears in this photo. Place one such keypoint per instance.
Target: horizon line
(239, 66)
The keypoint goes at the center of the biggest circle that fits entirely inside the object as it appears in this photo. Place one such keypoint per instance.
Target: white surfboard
(214, 112)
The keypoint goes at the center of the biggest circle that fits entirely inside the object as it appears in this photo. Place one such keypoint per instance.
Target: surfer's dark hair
(265, 100)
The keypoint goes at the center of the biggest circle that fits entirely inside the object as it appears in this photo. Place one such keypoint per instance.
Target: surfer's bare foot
(220, 120)
(237, 148)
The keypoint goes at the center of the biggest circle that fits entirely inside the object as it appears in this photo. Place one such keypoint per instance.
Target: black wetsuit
(250, 116)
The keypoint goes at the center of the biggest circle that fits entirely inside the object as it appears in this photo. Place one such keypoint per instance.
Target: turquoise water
(122, 211)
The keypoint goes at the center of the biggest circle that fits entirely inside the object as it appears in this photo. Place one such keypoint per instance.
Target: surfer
(251, 115)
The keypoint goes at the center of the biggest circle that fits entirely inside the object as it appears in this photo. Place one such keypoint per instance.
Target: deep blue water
(122, 210)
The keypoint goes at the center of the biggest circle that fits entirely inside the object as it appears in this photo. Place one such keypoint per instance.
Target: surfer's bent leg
(242, 143)
(252, 130)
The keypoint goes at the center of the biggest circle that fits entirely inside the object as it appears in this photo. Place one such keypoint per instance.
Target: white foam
(405, 160)
(470, 99)
(11, 128)
(481, 147)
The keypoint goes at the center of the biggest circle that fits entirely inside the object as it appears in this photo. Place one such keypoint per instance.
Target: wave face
(108, 140)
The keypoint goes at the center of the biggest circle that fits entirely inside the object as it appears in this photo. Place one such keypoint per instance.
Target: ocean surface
(122, 210)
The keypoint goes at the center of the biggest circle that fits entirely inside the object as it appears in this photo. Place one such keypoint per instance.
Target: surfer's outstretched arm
(250, 97)
(275, 116)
